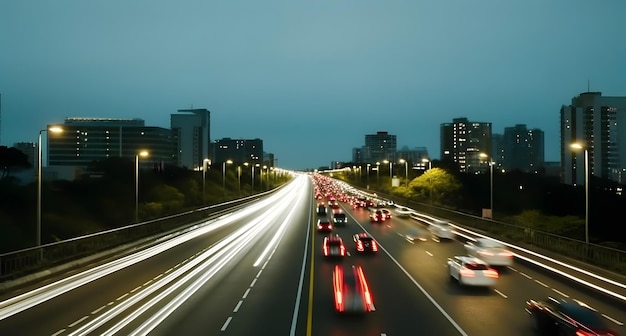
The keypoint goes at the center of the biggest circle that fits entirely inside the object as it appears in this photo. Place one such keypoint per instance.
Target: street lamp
(368, 175)
(143, 154)
(53, 129)
(239, 177)
(406, 171)
(577, 146)
(204, 168)
(483, 155)
(389, 162)
(224, 174)
(377, 174)
(424, 160)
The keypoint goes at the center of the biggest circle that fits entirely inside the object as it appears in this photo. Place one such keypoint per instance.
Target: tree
(435, 186)
(11, 158)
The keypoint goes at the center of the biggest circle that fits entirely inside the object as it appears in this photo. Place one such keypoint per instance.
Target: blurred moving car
(441, 229)
(339, 218)
(333, 247)
(415, 235)
(402, 212)
(351, 291)
(364, 243)
(471, 271)
(567, 317)
(324, 225)
(386, 213)
(377, 216)
(492, 252)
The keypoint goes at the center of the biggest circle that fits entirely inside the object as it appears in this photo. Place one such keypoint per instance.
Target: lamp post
(204, 168)
(143, 154)
(377, 174)
(368, 175)
(53, 129)
(483, 155)
(239, 177)
(224, 174)
(406, 171)
(424, 160)
(577, 146)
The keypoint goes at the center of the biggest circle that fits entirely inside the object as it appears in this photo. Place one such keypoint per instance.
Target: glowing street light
(377, 174)
(576, 147)
(204, 168)
(406, 169)
(224, 174)
(424, 160)
(483, 155)
(53, 129)
(142, 154)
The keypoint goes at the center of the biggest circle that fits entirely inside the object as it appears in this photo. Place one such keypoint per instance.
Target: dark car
(364, 243)
(567, 317)
(324, 225)
(321, 210)
(340, 219)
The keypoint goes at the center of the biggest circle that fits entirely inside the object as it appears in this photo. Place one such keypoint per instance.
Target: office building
(379, 147)
(521, 149)
(191, 129)
(85, 140)
(239, 151)
(463, 141)
(598, 124)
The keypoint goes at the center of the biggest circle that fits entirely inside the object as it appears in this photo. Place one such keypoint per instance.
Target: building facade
(598, 124)
(85, 140)
(522, 149)
(379, 147)
(191, 129)
(463, 141)
(239, 151)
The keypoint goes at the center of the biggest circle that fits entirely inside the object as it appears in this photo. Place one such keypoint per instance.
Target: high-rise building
(379, 147)
(192, 134)
(239, 151)
(463, 141)
(85, 140)
(522, 149)
(598, 124)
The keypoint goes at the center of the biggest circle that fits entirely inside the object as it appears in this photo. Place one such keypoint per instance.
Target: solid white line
(259, 274)
(226, 323)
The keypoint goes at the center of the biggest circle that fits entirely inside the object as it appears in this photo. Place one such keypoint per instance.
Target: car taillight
(343, 250)
(580, 332)
(374, 246)
(325, 249)
(366, 290)
(491, 273)
(359, 246)
(466, 272)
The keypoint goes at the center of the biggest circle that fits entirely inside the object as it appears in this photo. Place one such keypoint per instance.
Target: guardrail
(604, 257)
(31, 260)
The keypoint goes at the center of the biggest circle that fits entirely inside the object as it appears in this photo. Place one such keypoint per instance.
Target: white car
(402, 212)
(490, 251)
(441, 229)
(471, 271)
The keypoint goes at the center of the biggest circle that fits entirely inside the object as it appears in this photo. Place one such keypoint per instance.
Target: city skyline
(310, 79)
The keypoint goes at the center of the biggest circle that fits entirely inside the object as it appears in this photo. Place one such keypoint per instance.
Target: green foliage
(569, 226)
(12, 158)
(436, 186)
(163, 199)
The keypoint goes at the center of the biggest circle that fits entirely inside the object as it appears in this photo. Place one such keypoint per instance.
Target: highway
(260, 271)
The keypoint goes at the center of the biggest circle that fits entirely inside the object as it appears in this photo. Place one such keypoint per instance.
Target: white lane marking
(237, 306)
(59, 332)
(136, 289)
(430, 254)
(253, 282)
(541, 283)
(79, 321)
(561, 293)
(501, 294)
(245, 294)
(97, 310)
(525, 275)
(259, 274)
(226, 323)
(613, 320)
(121, 297)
